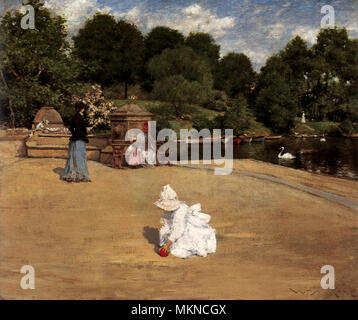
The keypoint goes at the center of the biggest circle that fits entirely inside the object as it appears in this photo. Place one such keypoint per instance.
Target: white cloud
(76, 11)
(276, 30)
(257, 56)
(193, 10)
(133, 15)
(307, 33)
(191, 18)
(352, 27)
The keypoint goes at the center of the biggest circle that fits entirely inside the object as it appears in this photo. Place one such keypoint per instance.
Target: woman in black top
(76, 166)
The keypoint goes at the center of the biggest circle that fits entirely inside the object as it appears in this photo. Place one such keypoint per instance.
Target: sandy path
(341, 186)
(96, 240)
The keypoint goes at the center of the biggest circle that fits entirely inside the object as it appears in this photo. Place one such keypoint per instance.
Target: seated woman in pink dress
(135, 155)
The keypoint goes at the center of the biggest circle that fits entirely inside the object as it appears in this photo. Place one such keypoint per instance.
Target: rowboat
(237, 141)
(247, 139)
(258, 139)
(273, 137)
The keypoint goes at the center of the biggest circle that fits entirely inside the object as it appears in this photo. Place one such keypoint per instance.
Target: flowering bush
(98, 109)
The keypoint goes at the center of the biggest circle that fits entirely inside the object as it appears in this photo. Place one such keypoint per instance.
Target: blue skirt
(76, 165)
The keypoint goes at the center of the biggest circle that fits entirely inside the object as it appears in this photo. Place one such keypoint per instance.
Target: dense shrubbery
(239, 117)
(347, 126)
(217, 100)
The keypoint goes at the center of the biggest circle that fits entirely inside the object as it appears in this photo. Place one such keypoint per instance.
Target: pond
(336, 156)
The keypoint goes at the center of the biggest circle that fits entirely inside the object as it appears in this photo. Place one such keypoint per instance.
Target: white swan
(286, 155)
(323, 139)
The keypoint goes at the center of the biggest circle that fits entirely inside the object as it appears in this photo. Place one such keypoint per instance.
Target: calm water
(336, 156)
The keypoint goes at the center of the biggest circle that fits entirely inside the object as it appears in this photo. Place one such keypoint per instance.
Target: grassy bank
(175, 123)
(190, 113)
(325, 128)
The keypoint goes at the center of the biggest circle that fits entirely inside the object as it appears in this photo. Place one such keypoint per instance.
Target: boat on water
(247, 139)
(237, 140)
(258, 139)
(273, 137)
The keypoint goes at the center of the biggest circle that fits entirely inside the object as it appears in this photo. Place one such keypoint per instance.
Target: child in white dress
(185, 230)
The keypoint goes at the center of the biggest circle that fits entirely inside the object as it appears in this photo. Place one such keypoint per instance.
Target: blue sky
(257, 28)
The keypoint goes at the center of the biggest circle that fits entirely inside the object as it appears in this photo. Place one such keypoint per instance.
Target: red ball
(163, 253)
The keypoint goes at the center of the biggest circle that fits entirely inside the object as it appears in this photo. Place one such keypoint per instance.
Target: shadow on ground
(152, 235)
(59, 171)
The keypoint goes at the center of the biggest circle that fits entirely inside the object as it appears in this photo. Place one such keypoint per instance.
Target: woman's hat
(168, 199)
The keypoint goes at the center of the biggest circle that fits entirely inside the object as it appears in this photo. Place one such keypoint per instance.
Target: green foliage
(162, 113)
(238, 116)
(235, 74)
(161, 38)
(200, 122)
(217, 100)
(204, 45)
(95, 45)
(346, 126)
(181, 77)
(323, 127)
(110, 51)
(176, 90)
(276, 105)
(36, 68)
(333, 76)
(155, 42)
(297, 57)
(211, 124)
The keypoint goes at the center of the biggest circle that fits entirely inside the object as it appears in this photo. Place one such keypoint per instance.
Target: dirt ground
(96, 240)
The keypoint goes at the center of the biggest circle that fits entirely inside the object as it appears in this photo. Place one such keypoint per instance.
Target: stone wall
(16, 143)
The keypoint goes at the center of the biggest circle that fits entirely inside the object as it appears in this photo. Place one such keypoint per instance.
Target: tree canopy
(276, 104)
(235, 74)
(39, 67)
(36, 68)
(204, 46)
(111, 51)
(161, 38)
(180, 77)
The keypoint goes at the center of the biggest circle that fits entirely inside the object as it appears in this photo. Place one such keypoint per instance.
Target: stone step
(58, 151)
(53, 139)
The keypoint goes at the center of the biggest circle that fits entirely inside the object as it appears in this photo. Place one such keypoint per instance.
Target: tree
(130, 52)
(298, 57)
(36, 68)
(235, 74)
(161, 38)
(238, 116)
(155, 42)
(96, 44)
(204, 46)
(110, 51)
(276, 105)
(180, 77)
(333, 79)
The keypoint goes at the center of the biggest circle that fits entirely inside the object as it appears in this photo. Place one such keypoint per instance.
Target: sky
(257, 28)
